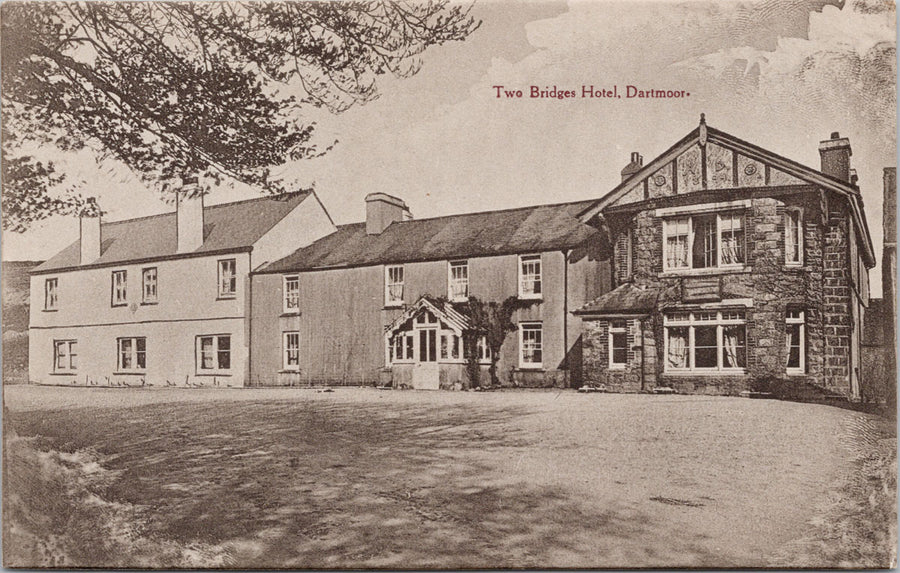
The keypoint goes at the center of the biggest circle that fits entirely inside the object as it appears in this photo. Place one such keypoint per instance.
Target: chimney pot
(637, 161)
(835, 135)
(382, 210)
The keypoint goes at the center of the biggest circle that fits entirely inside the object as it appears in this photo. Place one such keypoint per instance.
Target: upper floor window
(291, 294)
(132, 354)
(793, 237)
(618, 343)
(50, 293)
(119, 288)
(393, 285)
(531, 345)
(530, 276)
(795, 331)
(458, 281)
(291, 349)
(704, 241)
(148, 278)
(227, 278)
(705, 340)
(214, 354)
(65, 353)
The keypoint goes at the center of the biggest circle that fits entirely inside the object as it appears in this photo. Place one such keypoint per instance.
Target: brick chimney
(90, 227)
(189, 216)
(835, 154)
(382, 210)
(637, 161)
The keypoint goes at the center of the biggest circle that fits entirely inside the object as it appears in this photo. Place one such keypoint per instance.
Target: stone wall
(819, 287)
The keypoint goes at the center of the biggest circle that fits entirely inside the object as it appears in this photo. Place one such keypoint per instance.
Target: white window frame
(70, 365)
(407, 342)
(613, 330)
(787, 230)
(289, 350)
(445, 340)
(798, 318)
(691, 237)
(119, 287)
(527, 281)
(539, 346)
(389, 300)
(134, 354)
(227, 291)
(291, 297)
(691, 321)
(461, 283)
(145, 273)
(215, 370)
(483, 349)
(51, 293)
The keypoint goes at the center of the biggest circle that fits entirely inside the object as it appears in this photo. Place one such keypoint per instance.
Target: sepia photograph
(449, 284)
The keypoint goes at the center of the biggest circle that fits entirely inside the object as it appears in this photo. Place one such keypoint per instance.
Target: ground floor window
(65, 354)
(795, 340)
(531, 345)
(132, 354)
(706, 341)
(618, 343)
(451, 346)
(291, 349)
(214, 354)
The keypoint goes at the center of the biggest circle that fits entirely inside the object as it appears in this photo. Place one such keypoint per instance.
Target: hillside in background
(14, 278)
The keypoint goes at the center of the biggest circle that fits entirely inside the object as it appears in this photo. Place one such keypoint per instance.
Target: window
(393, 285)
(50, 292)
(458, 281)
(704, 241)
(795, 340)
(227, 278)
(65, 354)
(132, 354)
(530, 345)
(530, 276)
(451, 346)
(291, 346)
(119, 291)
(149, 285)
(706, 340)
(618, 343)
(483, 350)
(213, 354)
(793, 237)
(291, 294)
(401, 348)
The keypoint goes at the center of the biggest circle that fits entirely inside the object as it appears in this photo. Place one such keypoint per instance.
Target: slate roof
(509, 231)
(624, 299)
(227, 227)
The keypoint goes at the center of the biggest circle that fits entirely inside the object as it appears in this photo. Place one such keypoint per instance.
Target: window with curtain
(706, 340)
(793, 237)
(132, 354)
(393, 285)
(711, 240)
(458, 281)
(291, 349)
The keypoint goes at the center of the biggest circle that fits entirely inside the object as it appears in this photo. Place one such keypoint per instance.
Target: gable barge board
(709, 196)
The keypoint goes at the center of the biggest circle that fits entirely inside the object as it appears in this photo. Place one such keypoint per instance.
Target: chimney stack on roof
(382, 210)
(637, 161)
(835, 154)
(89, 224)
(189, 216)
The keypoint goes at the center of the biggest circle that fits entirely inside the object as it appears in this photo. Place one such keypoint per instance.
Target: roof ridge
(214, 206)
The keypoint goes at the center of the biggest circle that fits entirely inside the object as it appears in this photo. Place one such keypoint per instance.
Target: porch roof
(443, 310)
(624, 299)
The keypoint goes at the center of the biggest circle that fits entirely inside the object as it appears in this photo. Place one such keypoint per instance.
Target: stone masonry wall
(818, 287)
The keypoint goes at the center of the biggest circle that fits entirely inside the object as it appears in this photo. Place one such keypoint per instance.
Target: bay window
(706, 341)
(712, 240)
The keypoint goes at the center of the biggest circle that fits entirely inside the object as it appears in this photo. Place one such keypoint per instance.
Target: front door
(426, 375)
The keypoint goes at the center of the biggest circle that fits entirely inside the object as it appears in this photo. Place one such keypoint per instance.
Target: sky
(782, 74)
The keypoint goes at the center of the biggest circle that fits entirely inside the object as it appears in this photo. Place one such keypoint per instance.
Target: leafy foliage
(493, 320)
(181, 89)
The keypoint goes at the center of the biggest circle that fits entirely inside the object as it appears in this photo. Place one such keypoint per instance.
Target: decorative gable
(703, 161)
